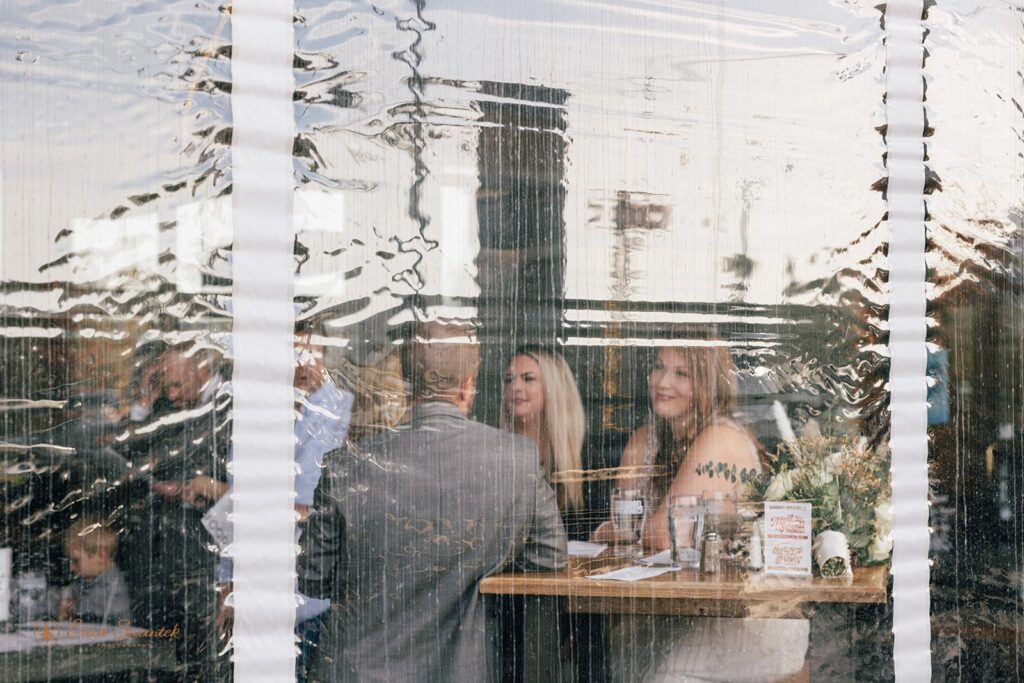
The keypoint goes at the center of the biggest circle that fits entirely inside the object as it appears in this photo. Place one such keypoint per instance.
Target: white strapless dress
(692, 649)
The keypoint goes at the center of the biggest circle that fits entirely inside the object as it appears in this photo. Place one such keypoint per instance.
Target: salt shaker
(711, 554)
(756, 559)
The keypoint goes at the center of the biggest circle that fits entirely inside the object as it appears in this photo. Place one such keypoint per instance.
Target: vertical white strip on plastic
(905, 129)
(6, 556)
(263, 469)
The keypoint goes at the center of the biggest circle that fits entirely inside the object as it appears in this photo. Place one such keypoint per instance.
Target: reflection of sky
(758, 128)
(749, 123)
(99, 104)
(974, 106)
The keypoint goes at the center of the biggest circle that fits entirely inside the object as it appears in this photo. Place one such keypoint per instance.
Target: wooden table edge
(868, 586)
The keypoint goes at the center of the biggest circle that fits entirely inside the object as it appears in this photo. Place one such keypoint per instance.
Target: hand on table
(607, 532)
(67, 608)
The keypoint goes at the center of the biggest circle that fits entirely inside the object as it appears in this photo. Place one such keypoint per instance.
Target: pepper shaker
(711, 554)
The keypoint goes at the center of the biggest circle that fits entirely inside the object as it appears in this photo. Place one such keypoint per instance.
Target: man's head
(184, 376)
(441, 364)
(90, 548)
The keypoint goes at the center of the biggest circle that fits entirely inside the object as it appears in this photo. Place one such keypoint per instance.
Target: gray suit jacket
(404, 527)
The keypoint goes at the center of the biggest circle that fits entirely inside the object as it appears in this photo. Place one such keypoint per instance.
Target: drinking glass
(31, 592)
(685, 525)
(720, 513)
(629, 512)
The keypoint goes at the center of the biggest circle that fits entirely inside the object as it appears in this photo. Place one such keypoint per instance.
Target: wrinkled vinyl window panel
(974, 412)
(116, 233)
(603, 179)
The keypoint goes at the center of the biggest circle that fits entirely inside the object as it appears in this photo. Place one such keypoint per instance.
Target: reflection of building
(520, 208)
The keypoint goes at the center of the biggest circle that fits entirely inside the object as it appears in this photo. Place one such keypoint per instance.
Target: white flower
(880, 548)
(780, 485)
(819, 477)
(883, 517)
(881, 543)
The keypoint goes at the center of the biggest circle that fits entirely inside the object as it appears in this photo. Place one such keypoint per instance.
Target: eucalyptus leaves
(731, 474)
(845, 479)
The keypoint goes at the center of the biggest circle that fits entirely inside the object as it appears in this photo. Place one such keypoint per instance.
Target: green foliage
(833, 567)
(840, 476)
(733, 475)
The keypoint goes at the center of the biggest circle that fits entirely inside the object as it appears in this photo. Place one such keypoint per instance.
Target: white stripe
(264, 489)
(905, 127)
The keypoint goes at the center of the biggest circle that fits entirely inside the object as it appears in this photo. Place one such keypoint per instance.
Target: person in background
(322, 414)
(98, 593)
(380, 394)
(190, 377)
(186, 453)
(406, 524)
(692, 389)
(145, 390)
(189, 382)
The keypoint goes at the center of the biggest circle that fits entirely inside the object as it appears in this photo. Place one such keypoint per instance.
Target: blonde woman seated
(692, 390)
(542, 402)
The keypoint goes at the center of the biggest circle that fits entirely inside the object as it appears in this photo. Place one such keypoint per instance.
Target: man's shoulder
(485, 442)
(509, 440)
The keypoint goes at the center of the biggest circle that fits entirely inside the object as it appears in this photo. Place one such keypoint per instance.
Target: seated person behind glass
(541, 401)
(98, 592)
(692, 391)
(187, 381)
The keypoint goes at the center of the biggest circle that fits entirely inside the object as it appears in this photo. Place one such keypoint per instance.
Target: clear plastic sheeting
(591, 307)
(974, 290)
(114, 254)
(600, 196)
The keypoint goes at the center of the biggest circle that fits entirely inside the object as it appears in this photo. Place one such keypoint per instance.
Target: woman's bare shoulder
(724, 442)
(633, 453)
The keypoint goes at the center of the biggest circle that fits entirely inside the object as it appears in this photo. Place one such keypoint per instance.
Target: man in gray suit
(407, 523)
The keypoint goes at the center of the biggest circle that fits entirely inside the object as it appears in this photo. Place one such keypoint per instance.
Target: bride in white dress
(692, 390)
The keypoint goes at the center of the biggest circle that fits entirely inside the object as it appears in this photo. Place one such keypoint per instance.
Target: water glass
(31, 595)
(685, 525)
(629, 512)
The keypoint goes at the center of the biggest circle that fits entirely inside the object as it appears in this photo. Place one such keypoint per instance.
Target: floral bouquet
(849, 485)
(845, 480)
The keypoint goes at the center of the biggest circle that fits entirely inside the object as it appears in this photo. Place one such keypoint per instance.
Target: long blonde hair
(563, 423)
(713, 375)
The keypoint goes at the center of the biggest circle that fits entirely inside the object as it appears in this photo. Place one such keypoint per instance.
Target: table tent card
(787, 539)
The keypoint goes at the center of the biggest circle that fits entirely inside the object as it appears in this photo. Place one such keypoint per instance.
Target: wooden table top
(700, 591)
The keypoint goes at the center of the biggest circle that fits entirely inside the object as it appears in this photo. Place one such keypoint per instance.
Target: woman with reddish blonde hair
(693, 391)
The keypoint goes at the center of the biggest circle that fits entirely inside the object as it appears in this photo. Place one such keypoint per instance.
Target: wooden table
(26, 657)
(689, 593)
(733, 593)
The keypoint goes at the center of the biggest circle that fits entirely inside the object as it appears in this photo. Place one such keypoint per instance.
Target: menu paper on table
(787, 539)
(632, 573)
(584, 549)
